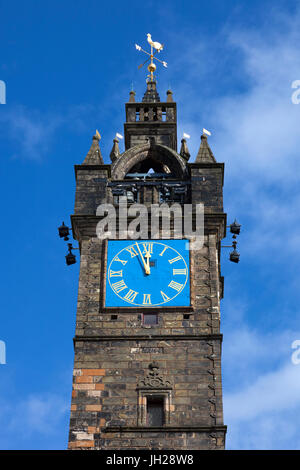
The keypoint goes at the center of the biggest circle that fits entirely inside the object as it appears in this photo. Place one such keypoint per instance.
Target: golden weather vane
(158, 47)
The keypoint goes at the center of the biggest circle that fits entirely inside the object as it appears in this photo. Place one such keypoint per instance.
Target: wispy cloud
(260, 382)
(31, 417)
(30, 133)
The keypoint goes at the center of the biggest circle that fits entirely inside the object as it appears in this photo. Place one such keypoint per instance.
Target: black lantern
(234, 256)
(64, 232)
(70, 257)
(235, 228)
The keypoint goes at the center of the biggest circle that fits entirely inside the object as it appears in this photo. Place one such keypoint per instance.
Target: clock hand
(147, 270)
(148, 256)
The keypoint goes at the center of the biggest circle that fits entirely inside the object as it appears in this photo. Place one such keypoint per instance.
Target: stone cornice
(150, 337)
(84, 226)
(106, 167)
(220, 428)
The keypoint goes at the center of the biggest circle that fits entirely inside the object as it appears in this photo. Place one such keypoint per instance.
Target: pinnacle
(94, 156)
(205, 154)
(151, 95)
(115, 151)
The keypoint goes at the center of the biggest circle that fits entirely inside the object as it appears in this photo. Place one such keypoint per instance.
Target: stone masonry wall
(106, 374)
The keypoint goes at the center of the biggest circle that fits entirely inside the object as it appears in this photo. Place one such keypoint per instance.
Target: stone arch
(153, 156)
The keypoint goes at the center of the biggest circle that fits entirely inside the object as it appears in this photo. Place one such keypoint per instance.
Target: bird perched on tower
(157, 45)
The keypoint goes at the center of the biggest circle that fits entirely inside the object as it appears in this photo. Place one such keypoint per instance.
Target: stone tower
(147, 368)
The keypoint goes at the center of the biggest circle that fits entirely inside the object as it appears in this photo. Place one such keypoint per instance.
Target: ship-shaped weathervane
(157, 46)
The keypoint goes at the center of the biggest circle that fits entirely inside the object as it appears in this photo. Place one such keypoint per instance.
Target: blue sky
(68, 67)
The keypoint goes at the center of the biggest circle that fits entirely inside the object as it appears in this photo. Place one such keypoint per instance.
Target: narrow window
(114, 317)
(150, 319)
(155, 411)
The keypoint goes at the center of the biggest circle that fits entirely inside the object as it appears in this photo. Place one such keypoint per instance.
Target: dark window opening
(150, 319)
(155, 411)
(186, 316)
(114, 317)
(137, 114)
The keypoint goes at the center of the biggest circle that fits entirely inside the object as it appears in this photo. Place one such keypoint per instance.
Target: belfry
(147, 366)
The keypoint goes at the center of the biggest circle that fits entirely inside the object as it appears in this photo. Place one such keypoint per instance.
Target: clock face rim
(164, 304)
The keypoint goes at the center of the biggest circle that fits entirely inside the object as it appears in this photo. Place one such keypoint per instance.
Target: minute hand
(147, 270)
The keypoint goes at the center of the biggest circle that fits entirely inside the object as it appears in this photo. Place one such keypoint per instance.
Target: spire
(94, 156)
(115, 151)
(184, 151)
(205, 154)
(151, 95)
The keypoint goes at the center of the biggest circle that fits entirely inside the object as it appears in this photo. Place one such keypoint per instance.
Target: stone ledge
(149, 337)
(221, 428)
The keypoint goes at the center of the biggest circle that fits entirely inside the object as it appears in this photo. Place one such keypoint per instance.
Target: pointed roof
(205, 154)
(132, 97)
(115, 151)
(94, 156)
(151, 95)
(169, 96)
(184, 151)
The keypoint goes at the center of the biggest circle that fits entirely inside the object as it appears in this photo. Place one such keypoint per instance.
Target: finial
(184, 151)
(169, 96)
(115, 151)
(132, 97)
(153, 45)
(205, 154)
(94, 156)
(97, 136)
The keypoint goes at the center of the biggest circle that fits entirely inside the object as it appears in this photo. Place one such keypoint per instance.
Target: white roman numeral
(164, 296)
(131, 295)
(118, 286)
(115, 273)
(174, 259)
(147, 299)
(175, 285)
(132, 251)
(160, 254)
(121, 260)
(148, 248)
(179, 271)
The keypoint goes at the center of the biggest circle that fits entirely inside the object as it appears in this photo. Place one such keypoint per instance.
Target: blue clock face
(147, 273)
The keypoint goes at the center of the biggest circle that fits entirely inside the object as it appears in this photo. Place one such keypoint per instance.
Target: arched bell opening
(141, 159)
(149, 167)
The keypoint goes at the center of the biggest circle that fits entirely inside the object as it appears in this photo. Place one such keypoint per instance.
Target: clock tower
(147, 367)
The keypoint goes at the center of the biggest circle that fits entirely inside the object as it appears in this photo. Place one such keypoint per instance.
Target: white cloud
(30, 133)
(276, 391)
(35, 415)
(261, 387)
